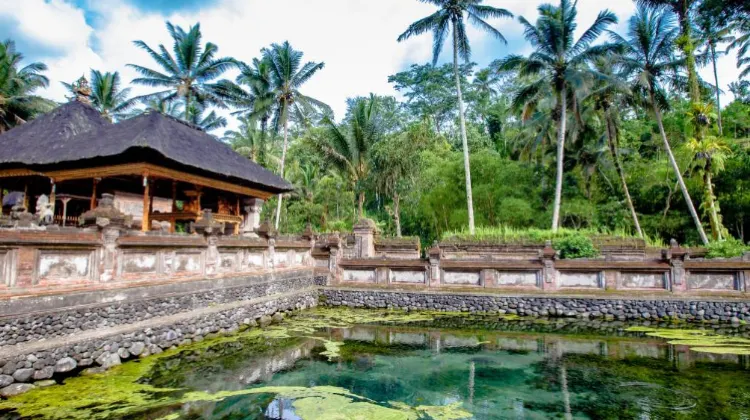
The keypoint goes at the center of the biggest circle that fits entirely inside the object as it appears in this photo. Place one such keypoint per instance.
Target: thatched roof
(39, 139)
(151, 135)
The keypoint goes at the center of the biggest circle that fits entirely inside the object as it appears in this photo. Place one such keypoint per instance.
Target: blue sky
(355, 38)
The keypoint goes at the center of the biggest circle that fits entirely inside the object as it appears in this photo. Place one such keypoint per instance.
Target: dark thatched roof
(38, 139)
(144, 135)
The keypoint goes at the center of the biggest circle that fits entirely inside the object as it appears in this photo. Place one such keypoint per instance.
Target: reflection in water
(451, 368)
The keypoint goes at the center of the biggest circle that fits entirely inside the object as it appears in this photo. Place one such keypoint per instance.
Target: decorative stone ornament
(105, 214)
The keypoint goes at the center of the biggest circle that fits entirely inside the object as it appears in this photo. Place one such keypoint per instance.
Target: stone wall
(712, 310)
(36, 347)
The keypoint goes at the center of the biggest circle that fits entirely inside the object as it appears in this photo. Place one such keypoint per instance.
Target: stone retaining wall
(719, 310)
(55, 323)
(25, 371)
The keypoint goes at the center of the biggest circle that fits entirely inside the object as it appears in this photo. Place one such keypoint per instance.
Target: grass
(535, 236)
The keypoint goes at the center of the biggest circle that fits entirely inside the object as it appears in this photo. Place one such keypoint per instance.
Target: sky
(356, 39)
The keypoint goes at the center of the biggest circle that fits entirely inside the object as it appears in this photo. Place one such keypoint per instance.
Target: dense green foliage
(616, 129)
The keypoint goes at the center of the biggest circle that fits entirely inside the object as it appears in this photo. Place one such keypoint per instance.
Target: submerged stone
(15, 389)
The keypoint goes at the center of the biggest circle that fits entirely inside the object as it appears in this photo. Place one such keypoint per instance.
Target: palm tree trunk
(611, 140)
(462, 119)
(397, 213)
(281, 171)
(676, 169)
(361, 204)
(262, 144)
(688, 49)
(715, 224)
(718, 100)
(187, 107)
(560, 156)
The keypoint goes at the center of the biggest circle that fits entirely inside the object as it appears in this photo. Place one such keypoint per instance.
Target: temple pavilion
(158, 168)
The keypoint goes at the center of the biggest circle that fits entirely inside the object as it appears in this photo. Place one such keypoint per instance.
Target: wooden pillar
(65, 210)
(52, 199)
(237, 213)
(93, 194)
(26, 195)
(146, 221)
(1, 200)
(199, 191)
(174, 196)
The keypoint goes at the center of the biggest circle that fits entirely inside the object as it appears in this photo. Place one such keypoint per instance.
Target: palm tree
(608, 98)
(712, 34)
(648, 57)
(347, 147)
(451, 17)
(559, 62)
(188, 75)
(685, 42)
(742, 43)
(206, 122)
(107, 97)
(247, 141)
(713, 152)
(17, 102)
(287, 75)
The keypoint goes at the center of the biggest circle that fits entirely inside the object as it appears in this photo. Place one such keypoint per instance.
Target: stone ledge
(578, 306)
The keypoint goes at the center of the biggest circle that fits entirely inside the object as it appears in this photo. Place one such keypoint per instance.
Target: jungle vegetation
(604, 131)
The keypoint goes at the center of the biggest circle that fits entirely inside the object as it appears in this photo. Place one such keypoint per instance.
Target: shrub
(726, 249)
(575, 246)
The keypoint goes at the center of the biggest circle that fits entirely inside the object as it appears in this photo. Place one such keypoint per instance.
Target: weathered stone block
(469, 278)
(712, 280)
(407, 276)
(580, 279)
(643, 280)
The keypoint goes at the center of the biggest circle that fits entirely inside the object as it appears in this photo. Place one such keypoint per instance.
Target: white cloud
(355, 38)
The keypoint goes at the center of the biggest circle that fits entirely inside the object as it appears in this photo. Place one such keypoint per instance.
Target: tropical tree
(713, 152)
(683, 9)
(287, 75)
(559, 61)
(17, 85)
(347, 147)
(742, 43)
(712, 34)
(647, 55)
(451, 17)
(609, 97)
(247, 141)
(107, 95)
(188, 75)
(206, 121)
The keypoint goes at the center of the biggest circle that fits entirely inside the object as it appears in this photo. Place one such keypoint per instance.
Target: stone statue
(19, 216)
(45, 211)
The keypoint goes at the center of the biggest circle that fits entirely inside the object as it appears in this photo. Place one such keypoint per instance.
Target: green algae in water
(408, 370)
(699, 340)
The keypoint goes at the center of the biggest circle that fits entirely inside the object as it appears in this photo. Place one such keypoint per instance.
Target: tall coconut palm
(683, 9)
(559, 61)
(107, 96)
(287, 75)
(608, 97)
(348, 147)
(253, 98)
(246, 140)
(188, 75)
(648, 57)
(712, 34)
(713, 152)
(742, 43)
(197, 116)
(451, 17)
(17, 85)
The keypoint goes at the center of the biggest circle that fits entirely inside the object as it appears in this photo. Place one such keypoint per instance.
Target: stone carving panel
(517, 278)
(643, 280)
(227, 262)
(256, 259)
(281, 259)
(407, 276)
(61, 266)
(471, 278)
(359, 276)
(139, 262)
(187, 262)
(580, 279)
(712, 281)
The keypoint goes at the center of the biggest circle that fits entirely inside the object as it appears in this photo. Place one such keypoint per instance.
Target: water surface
(381, 365)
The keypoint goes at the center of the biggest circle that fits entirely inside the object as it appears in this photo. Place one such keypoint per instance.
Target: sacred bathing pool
(138, 280)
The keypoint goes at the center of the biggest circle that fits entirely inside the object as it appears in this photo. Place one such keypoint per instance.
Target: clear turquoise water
(494, 369)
